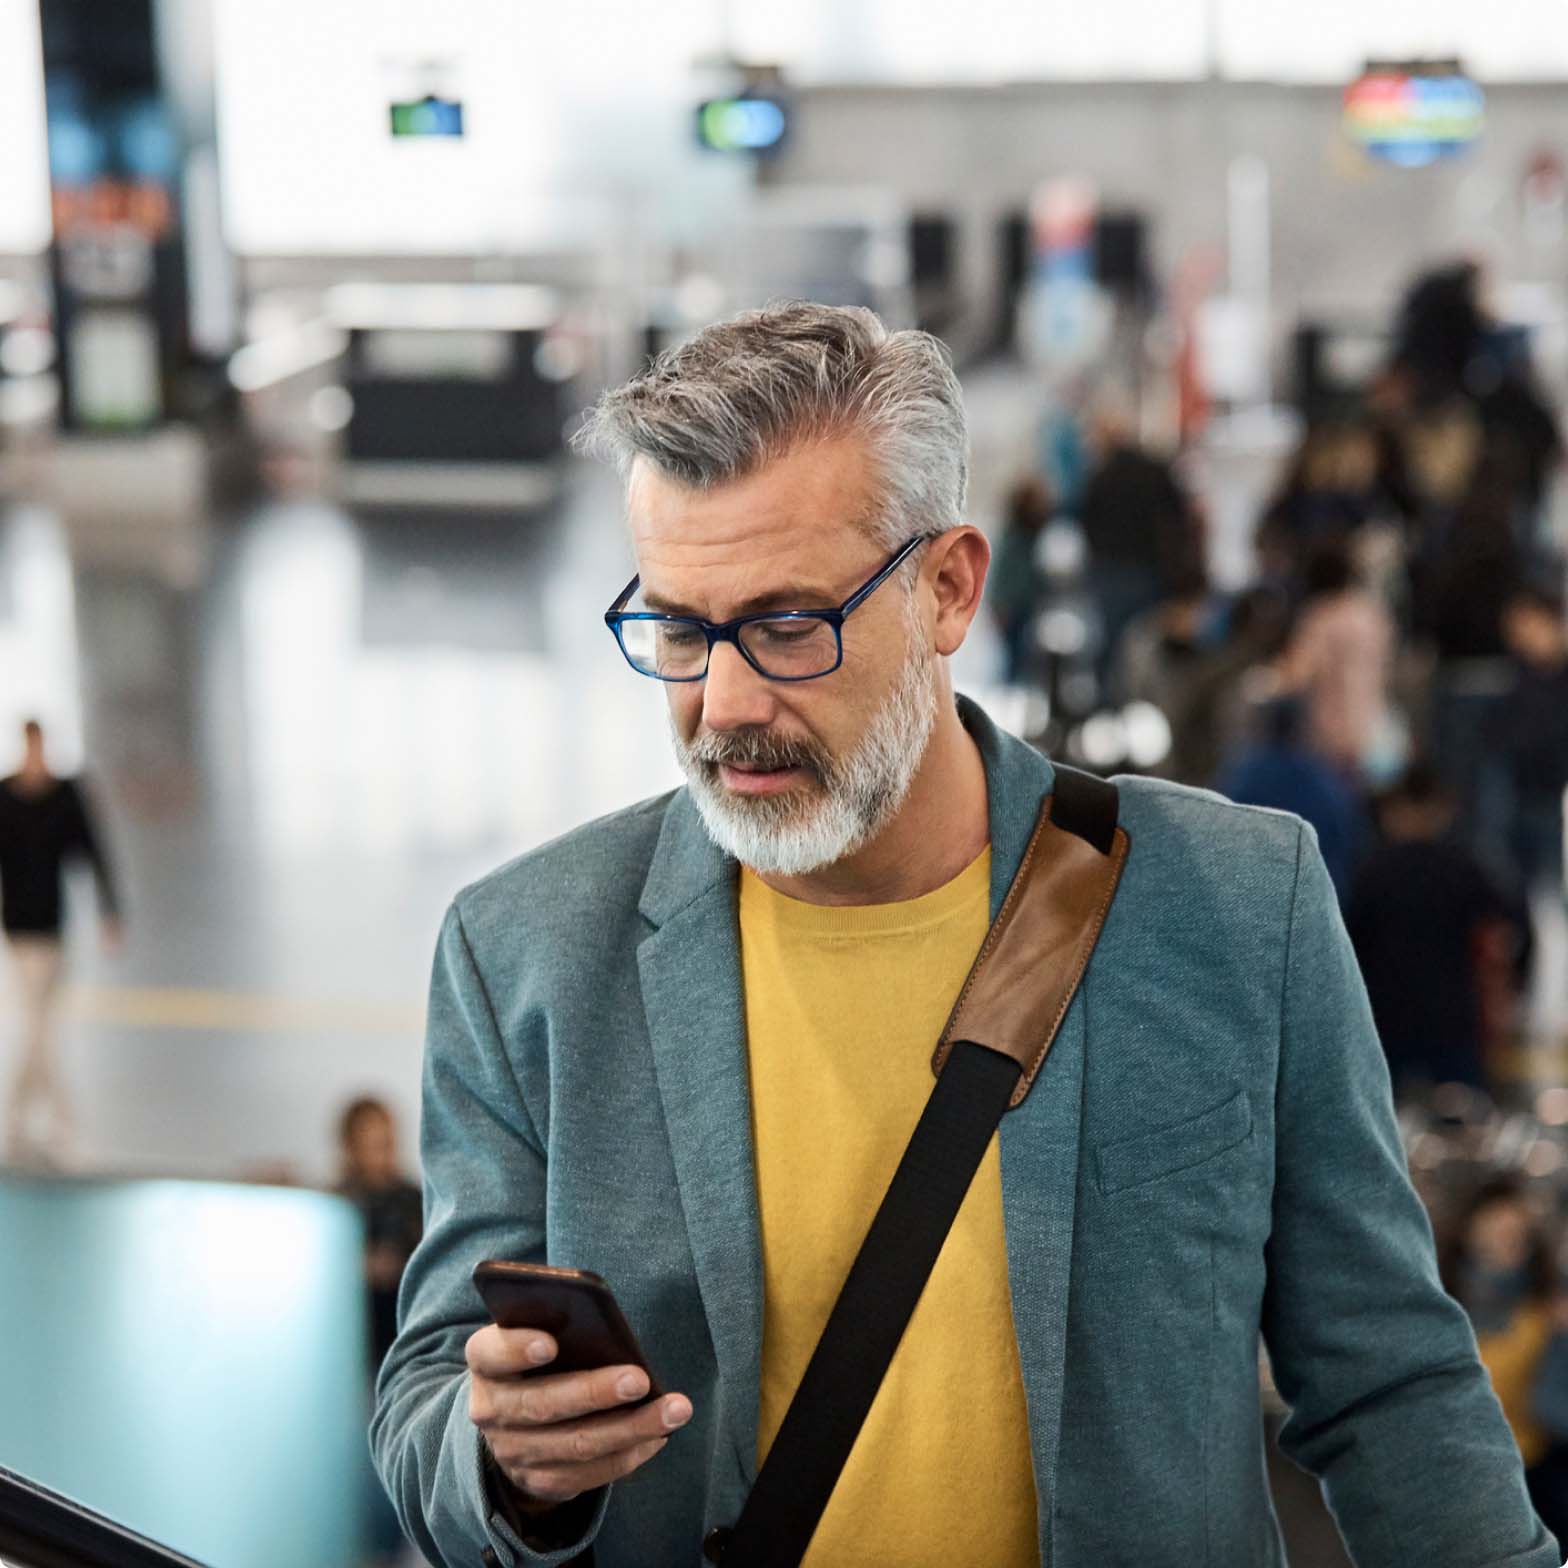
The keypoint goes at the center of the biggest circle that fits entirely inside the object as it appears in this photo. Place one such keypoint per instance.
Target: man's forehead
(796, 519)
(826, 484)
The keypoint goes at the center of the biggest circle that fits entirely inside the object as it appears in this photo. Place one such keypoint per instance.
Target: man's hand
(556, 1435)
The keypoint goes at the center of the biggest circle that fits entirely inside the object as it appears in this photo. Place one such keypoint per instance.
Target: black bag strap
(975, 1084)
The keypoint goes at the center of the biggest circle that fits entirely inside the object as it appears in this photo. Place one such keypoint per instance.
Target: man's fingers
(506, 1352)
(554, 1396)
(594, 1438)
(560, 1484)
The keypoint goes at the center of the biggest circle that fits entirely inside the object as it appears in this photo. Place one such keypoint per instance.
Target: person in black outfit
(1141, 529)
(44, 821)
(1419, 912)
(392, 1209)
(1531, 736)
(390, 1205)
(1448, 345)
(1468, 569)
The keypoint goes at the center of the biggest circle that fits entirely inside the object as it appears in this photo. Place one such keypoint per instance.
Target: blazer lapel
(692, 997)
(1039, 1196)
(1039, 1140)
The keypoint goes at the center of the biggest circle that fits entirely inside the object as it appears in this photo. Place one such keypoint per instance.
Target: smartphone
(574, 1306)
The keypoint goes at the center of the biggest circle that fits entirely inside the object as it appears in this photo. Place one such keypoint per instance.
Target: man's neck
(941, 827)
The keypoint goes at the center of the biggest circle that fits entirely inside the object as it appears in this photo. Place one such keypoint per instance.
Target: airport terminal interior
(1261, 317)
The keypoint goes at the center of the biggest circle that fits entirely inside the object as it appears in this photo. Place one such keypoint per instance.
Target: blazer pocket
(1134, 1161)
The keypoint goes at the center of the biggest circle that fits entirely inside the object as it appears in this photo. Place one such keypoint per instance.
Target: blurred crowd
(1396, 672)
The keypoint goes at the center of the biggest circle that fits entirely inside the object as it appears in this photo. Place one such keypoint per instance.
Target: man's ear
(956, 571)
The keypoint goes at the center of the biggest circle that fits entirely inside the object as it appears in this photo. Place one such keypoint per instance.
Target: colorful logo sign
(430, 116)
(1411, 117)
(745, 124)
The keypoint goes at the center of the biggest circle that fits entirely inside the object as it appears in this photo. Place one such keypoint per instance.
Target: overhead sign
(1412, 115)
(428, 116)
(748, 123)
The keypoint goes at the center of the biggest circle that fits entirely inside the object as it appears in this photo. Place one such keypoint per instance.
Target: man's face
(789, 776)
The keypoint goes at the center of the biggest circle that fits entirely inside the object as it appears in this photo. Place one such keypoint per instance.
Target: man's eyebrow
(798, 597)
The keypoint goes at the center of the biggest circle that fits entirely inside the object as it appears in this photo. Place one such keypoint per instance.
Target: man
(685, 1046)
(44, 820)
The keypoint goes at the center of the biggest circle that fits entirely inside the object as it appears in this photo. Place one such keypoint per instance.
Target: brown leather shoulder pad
(1029, 966)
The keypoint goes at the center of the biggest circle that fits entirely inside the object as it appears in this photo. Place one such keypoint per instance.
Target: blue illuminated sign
(742, 124)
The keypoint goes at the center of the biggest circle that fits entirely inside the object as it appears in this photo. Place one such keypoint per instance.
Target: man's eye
(788, 631)
(679, 636)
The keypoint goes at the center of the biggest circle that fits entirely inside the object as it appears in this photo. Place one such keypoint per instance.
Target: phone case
(575, 1306)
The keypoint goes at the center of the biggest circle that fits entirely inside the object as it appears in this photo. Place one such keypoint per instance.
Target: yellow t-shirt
(843, 1008)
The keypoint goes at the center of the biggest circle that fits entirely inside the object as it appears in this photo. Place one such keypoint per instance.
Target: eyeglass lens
(788, 646)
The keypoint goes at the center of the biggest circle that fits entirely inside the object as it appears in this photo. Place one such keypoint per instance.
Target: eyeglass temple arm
(623, 596)
(856, 599)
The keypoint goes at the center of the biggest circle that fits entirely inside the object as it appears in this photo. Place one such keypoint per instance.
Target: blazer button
(717, 1540)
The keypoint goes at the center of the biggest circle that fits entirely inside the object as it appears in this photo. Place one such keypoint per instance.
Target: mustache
(759, 749)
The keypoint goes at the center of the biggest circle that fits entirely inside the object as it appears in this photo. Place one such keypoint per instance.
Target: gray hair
(747, 390)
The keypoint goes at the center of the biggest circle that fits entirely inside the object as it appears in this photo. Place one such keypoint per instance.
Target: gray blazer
(1209, 1154)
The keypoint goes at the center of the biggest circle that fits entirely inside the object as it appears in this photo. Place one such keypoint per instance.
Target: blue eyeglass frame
(729, 631)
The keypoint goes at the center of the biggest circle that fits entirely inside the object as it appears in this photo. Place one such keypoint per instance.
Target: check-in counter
(455, 396)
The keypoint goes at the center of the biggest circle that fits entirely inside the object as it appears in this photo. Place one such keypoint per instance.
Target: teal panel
(189, 1358)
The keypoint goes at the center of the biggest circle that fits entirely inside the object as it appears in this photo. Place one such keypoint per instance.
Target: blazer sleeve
(1390, 1406)
(484, 1175)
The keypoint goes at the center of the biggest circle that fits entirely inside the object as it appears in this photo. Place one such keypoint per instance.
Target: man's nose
(734, 695)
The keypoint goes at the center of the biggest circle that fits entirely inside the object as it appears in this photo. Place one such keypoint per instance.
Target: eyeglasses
(783, 645)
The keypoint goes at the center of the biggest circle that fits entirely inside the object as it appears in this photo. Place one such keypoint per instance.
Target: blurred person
(1279, 769)
(1255, 629)
(1340, 659)
(1387, 406)
(1174, 658)
(1451, 348)
(1440, 330)
(1439, 445)
(45, 821)
(1530, 735)
(391, 1210)
(1472, 569)
(685, 1046)
(1419, 910)
(1015, 580)
(1140, 525)
(1501, 1273)
(1330, 491)
(390, 1205)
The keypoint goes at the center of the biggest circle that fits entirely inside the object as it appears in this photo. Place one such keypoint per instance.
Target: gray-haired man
(685, 1046)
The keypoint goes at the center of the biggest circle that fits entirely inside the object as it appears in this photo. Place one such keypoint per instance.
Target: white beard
(858, 795)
